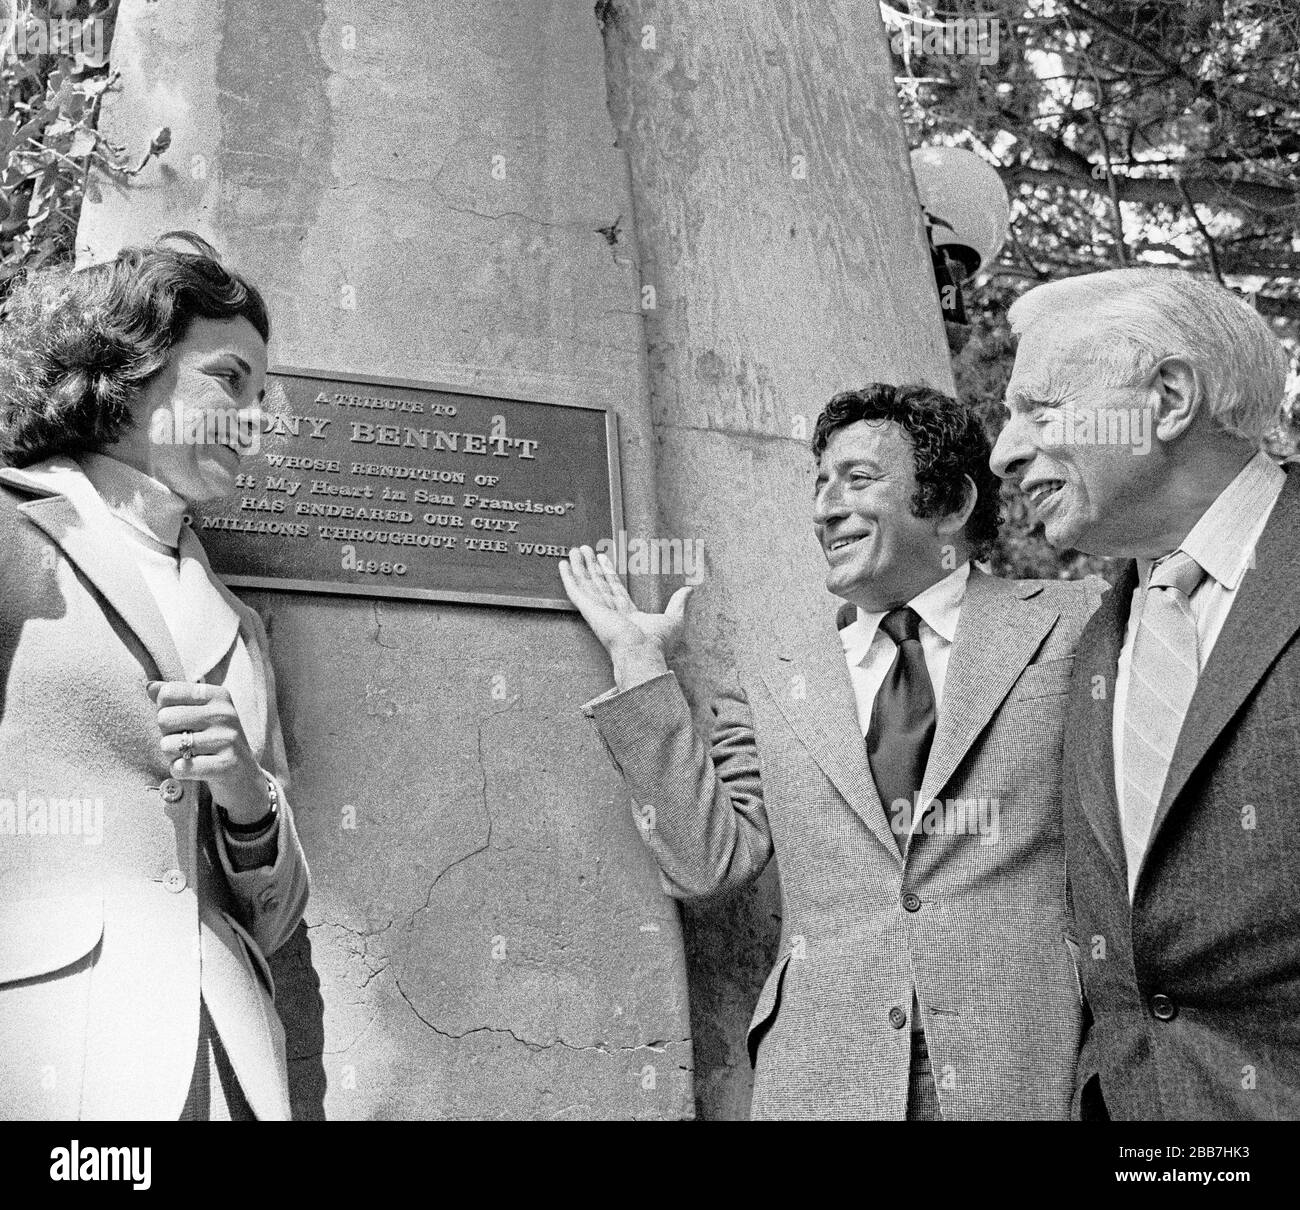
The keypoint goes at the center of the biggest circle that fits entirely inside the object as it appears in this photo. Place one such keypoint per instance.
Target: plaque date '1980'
(370, 567)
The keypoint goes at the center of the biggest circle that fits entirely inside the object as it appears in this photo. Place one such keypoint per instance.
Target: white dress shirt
(1223, 543)
(204, 628)
(870, 652)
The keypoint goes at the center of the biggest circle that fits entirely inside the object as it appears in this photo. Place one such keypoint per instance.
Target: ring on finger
(187, 745)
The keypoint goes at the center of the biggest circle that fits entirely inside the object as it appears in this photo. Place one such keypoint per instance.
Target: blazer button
(174, 881)
(1163, 1008)
(172, 790)
(911, 902)
(897, 1017)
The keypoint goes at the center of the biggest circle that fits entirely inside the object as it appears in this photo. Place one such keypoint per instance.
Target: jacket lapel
(1091, 734)
(229, 620)
(214, 620)
(1262, 620)
(90, 543)
(810, 684)
(1000, 627)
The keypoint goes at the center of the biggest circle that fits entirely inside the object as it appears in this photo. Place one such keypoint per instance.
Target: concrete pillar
(778, 225)
(490, 939)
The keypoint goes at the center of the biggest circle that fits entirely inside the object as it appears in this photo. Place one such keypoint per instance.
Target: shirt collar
(140, 500)
(939, 607)
(1223, 540)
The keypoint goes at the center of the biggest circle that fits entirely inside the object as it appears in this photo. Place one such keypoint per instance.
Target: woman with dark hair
(148, 856)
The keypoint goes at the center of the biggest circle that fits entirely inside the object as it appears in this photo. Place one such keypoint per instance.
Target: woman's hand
(219, 751)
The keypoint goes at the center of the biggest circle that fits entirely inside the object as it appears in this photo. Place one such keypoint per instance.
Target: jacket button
(897, 1017)
(1163, 1008)
(911, 902)
(174, 881)
(172, 790)
(268, 900)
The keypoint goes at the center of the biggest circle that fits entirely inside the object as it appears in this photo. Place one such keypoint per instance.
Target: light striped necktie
(1162, 679)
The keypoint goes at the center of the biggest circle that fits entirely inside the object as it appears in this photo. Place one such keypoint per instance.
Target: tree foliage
(1128, 133)
(53, 76)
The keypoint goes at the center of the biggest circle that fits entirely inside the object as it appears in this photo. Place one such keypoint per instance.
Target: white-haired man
(1137, 411)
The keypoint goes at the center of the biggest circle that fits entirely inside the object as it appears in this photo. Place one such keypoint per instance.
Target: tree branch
(1156, 191)
(1202, 87)
(1210, 249)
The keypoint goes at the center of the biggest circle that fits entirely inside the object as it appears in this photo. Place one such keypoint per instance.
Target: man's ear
(956, 520)
(1175, 388)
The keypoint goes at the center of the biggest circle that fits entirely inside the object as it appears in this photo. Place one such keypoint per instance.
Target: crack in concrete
(487, 814)
(354, 1043)
(571, 224)
(338, 924)
(375, 971)
(658, 1046)
(376, 966)
(379, 632)
(528, 218)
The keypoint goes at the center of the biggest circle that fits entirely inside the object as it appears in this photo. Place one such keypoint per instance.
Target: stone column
(780, 234)
(433, 192)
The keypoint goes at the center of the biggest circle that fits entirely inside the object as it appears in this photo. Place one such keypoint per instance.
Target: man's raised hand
(638, 643)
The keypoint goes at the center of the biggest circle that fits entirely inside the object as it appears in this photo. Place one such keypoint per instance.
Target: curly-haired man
(910, 789)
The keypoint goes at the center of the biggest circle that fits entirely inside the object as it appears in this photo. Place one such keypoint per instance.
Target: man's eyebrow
(1025, 393)
(849, 463)
(243, 365)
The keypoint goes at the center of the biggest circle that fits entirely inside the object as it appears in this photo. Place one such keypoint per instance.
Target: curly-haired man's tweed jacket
(976, 924)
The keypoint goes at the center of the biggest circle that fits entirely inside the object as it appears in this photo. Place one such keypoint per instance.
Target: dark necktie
(902, 722)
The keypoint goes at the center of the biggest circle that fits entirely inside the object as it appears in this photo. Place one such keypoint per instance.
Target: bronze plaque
(378, 487)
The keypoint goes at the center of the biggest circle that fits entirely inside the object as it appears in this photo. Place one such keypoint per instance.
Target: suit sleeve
(268, 874)
(700, 810)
